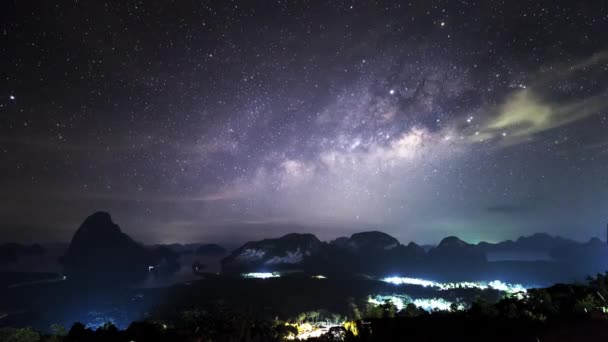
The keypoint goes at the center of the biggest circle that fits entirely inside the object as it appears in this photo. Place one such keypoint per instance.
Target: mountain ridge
(379, 253)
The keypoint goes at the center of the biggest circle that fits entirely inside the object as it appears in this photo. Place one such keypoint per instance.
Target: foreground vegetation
(558, 313)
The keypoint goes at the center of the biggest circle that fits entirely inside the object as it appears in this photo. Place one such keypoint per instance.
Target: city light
(427, 304)
(432, 304)
(493, 285)
(409, 281)
(260, 275)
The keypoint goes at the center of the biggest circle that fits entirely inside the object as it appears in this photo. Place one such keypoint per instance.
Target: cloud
(27, 233)
(595, 59)
(524, 115)
(599, 147)
(509, 209)
(528, 112)
(128, 195)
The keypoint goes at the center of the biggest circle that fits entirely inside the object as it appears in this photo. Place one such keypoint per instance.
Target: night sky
(193, 121)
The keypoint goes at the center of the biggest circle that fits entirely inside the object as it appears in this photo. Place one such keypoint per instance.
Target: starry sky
(194, 121)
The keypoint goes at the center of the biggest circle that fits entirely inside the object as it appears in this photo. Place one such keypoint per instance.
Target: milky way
(241, 120)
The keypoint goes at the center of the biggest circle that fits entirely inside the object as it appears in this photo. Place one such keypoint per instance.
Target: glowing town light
(399, 301)
(432, 304)
(494, 285)
(410, 281)
(315, 330)
(260, 275)
(427, 304)
(509, 288)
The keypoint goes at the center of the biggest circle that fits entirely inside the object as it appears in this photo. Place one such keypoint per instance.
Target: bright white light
(260, 275)
(319, 276)
(495, 285)
(430, 304)
(509, 288)
(392, 91)
(12, 97)
(401, 301)
(442, 24)
(312, 330)
(410, 281)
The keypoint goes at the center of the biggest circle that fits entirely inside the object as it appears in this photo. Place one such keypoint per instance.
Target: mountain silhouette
(11, 252)
(372, 241)
(291, 250)
(101, 254)
(210, 249)
(539, 242)
(379, 254)
(453, 250)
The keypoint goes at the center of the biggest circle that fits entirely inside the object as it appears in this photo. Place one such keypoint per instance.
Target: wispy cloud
(600, 147)
(524, 115)
(509, 209)
(528, 112)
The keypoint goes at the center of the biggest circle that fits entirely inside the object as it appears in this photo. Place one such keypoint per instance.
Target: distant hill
(210, 249)
(11, 252)
(536, 246)
(377, 253)
(101, 254)
(372, 241)
(292, 250)
(370, 252)
(201, 249)
(455, 251)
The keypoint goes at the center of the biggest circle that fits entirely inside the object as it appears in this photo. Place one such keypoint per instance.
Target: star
(259, 127)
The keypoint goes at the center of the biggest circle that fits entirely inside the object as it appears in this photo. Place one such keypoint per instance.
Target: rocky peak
(373, 240)
(452, 241)
(101, 253)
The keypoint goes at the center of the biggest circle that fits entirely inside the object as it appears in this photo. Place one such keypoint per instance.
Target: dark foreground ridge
(558, 313)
